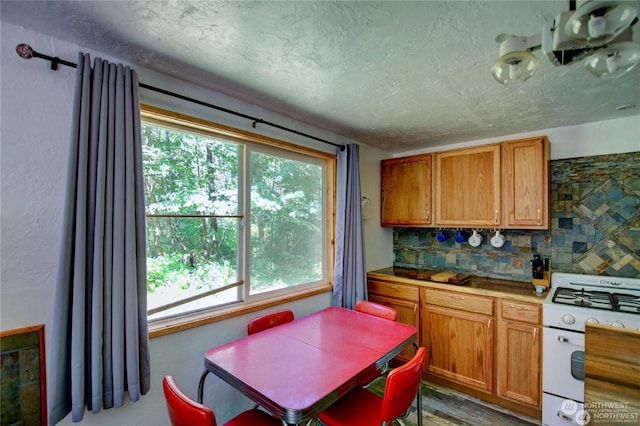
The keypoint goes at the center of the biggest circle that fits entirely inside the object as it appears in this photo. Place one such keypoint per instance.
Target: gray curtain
(100, 343)
(350, 281)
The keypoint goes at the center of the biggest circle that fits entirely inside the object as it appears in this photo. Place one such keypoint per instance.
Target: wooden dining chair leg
(201, 386)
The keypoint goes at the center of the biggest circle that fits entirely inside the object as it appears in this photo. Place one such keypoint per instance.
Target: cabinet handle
(535, 335)
(392, 286)
(489, 328)
(428, 215)
(539, 217)
(415, 310)
(520, 308)
(496, 217)
(453, 296)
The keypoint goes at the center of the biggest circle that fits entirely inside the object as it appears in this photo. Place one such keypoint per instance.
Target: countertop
(476, 285)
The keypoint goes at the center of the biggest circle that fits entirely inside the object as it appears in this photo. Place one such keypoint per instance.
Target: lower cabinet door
(519, 361)
(459, 346)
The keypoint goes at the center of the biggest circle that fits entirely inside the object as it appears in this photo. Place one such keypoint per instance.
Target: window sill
(175, 325)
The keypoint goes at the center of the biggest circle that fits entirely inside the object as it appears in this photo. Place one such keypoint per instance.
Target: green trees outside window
(227, 215)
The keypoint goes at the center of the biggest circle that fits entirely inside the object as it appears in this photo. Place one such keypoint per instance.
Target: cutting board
(416, 274)
(611, 370)
(450, 277)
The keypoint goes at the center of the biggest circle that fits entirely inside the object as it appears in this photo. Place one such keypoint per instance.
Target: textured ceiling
(398, 75)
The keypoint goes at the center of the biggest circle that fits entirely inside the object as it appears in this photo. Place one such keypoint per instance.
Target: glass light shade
(598, 22)
(613, 61)
(514, 67)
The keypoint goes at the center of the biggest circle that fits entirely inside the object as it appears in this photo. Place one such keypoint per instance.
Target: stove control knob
(617, 324)
(592, 320)
(568, 319)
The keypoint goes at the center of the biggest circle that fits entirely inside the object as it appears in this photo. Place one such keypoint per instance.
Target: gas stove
(575, 299)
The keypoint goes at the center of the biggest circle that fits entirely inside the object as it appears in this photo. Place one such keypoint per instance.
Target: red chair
(363, 408)
(266, 321)
(376, 309)
(183, 411)
(381, 311)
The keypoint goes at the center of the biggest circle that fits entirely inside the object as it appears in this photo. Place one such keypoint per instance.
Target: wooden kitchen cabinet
(501, 185)
(468, 187)
(525, 183)
(457, 330)
(406, 191)
(404, 299)
(519, 346)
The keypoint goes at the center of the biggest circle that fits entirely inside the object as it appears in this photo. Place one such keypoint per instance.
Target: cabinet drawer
(461, 301)
(522, 312)
(395, 290)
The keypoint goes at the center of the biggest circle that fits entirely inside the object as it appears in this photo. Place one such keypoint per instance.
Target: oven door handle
(564, 339)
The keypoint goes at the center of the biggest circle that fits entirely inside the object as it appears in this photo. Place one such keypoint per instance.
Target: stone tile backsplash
(595, 228)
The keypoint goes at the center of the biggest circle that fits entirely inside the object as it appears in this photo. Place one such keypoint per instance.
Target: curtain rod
(26, 52)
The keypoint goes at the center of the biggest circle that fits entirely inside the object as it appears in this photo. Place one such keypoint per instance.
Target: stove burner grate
(586, 299)
(628, 303)
(621, 302)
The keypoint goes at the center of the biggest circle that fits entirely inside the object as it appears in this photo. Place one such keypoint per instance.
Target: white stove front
(563, 341)
(575, 317)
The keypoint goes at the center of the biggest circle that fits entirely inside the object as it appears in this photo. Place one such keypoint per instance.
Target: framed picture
(22, 364)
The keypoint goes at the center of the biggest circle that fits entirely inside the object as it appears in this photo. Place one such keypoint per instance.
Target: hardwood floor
(442, 406)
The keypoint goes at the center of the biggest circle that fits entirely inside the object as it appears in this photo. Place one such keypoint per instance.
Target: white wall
(36, 105)
(601, 137)
(378, 240)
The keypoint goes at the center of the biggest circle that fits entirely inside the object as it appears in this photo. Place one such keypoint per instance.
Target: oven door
(563, 363)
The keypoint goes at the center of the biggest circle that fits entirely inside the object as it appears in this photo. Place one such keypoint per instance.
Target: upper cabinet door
(406, 191)
(467, 187)
(525, 165)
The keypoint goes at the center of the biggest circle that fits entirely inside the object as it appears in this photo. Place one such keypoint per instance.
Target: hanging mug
(461, 236)
(442, 236)
(476, 239)
(497, 240)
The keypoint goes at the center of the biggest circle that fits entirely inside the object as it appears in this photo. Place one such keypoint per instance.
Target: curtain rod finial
(25, 51)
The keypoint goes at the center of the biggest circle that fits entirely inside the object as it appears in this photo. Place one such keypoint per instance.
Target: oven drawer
(522, 312)
(394, 290)
(557, 411)
(460, 301)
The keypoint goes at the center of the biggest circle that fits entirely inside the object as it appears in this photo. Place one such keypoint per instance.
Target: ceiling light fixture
(614, 60)
(598, 31)
(516, 63)
(595, 23)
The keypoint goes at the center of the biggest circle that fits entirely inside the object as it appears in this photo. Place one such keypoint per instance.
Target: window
(232, 216)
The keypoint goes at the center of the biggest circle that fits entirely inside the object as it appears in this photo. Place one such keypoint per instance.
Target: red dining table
(298, 369)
